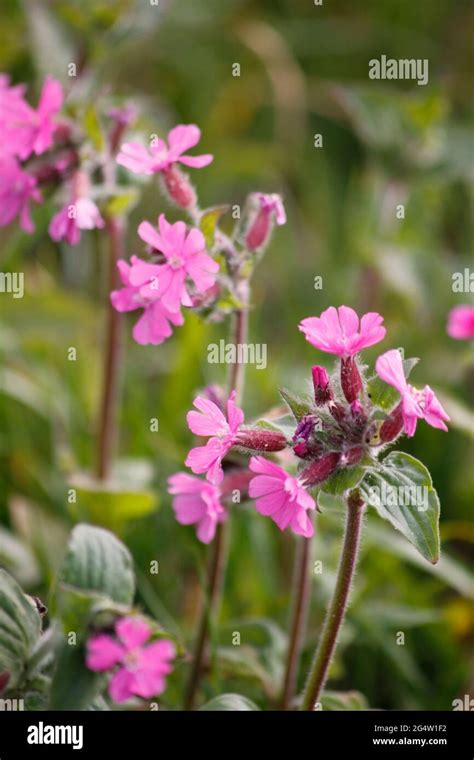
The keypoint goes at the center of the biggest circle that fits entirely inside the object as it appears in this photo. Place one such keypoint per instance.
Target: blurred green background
(303, 71)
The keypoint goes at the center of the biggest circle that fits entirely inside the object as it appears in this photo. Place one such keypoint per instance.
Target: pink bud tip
(322, 390)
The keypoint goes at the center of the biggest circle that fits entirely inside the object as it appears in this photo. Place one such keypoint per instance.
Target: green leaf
(74, 686)
(20, 628)
(97, 561)
(208, 222)
(298, 405)
(111, 504)
(343, 480)
(18, 558)
(93, 127)
(401, 490)
(343, 700)
(230, 702)
(383, 395)
(122, 203)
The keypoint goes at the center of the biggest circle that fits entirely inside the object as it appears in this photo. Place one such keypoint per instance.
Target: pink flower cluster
(25, 134)
(138, 668)
(160, 289)
(278, 494)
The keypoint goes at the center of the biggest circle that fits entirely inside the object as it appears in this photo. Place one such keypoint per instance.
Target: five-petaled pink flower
(196, 502)
(24, 130)
(142, 669)
(140, 291)
(337, 331)
(162, 155)
(461, 322)
(210, 421)
(185, 256)
(281, 496)
(17, 189)
(415, 404)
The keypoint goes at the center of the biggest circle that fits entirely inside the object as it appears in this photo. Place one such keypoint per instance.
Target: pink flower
(82, 214)
(281, 497)
(153, 327)
(142, 669)
(461, 322)
(185, 257)
(210, 421)
(415, 404)
(196, 502)
(161, 155)
(17, 189)
(24, 130)
(337, 331)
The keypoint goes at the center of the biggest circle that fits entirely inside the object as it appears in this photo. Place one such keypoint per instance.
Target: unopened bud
(392, 426)
(179, 188)
(321, 469)
(269, 209)
(322, 390)
(352, 456)
(351, 381)
(260, 439)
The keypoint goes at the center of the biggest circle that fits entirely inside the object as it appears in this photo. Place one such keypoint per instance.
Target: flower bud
(351, 381)
(260, 439)
(322, 390)
(392, 426)
(304, 447)
(321, 469)
(352, 456)
(178, 186)
(268, 210)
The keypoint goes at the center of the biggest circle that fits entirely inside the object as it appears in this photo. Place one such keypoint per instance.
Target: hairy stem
(301, 594)
(219, 550)
(112, 353)
(337, 608)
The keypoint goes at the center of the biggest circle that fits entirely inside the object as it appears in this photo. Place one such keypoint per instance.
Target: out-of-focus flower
(142, 667)
(154, 326)
(24, 130)
(196, 502)
(185, 256)
(461, 322)
(269, 210)
(81, 213)
(161, 155)
(17, 190)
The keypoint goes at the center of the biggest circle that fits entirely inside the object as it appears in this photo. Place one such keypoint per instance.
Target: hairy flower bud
(392, 426)
(322, 390)
(260, 439)
(351, 381)
(179, 188)
(320, 469)
(304, 446)
(269, 210)
(352, 456)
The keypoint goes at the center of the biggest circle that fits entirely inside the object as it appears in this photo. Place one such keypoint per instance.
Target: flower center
(132, 659)
(175, 262)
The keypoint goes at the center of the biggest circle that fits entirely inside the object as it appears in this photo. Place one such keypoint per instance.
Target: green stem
(301, 587)
(337, 608)
(112, 354)
(219, 550)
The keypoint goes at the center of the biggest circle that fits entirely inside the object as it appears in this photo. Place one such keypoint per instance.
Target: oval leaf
(401, 490)
(97, 561)
(20, 627)
(230, 702)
